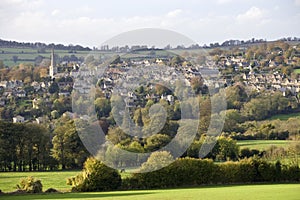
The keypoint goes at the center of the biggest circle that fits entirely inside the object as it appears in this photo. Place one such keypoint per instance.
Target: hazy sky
(91, 22)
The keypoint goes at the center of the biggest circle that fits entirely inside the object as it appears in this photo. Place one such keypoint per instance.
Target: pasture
(230, 192)
(262, 144)
(297, 71)
(57, 180)
(28, 55)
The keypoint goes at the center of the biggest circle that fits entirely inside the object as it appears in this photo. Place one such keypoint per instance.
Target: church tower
(52, 67)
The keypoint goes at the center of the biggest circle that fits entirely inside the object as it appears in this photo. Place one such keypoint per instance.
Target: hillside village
(256, 74)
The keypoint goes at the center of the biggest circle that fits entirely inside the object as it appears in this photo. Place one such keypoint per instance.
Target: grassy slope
(262, 144)
(6, 54)
(245, 192)
(31, 54)
(297, 71)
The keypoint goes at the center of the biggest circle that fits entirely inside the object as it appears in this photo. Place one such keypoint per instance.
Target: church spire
(52, 58)
(52, 67)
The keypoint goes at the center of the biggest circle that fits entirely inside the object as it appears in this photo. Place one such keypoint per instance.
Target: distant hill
(41, 46)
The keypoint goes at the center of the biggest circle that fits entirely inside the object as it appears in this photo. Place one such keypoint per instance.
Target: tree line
(33, 147)
(38, 45)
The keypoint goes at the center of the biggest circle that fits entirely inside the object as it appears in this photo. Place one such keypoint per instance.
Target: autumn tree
(67, 146)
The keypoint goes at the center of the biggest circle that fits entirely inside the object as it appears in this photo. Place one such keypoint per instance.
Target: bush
(51, 190)
(193, 172)
(290, 173)
(30, 185)
(267, 171)
(95, 177)
(182, 172)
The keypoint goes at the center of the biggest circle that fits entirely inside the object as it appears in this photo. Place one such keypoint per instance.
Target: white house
(18, 119)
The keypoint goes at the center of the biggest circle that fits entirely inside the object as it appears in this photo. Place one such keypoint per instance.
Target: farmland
(262, 144)
(297, 71)
(28, 55)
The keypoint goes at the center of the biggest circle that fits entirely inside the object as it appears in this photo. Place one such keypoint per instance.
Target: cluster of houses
(240, 63)
(112, 79)
(275, 82)
(261, 81)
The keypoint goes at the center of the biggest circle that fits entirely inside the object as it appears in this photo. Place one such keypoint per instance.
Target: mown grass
(232, 192)
(262, 144)
(297, 71)
(57, 180)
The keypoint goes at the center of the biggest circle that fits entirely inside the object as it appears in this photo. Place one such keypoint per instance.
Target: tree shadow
(77, 195)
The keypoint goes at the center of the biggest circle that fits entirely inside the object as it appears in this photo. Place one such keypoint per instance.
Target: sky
(92, 22)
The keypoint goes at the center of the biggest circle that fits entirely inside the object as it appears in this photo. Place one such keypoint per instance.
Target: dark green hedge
(194, 172)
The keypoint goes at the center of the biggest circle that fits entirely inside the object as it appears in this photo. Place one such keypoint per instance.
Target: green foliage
(236, 95)
(24, 145)
(102, 107)
(67, 146)
(227, 149)
(232, 120)
(30, 185)
(53, 88)
(156, 142)
(182, 172)
(157, 160)
(267, 105)
(192, 172)
(95, 177)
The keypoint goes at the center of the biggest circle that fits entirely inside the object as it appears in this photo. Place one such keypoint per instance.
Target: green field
(262, 144)
(297, 71)
(285, 116)
(245, 192)
(57, 180)
(28, 55)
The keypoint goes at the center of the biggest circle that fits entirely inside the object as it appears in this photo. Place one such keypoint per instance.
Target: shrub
(228, 173)
(194, 172)
(30, 185)
(290, 173)
(267, 171)
(247, 170)
(51, 190)
(95, 177)
(182, 172)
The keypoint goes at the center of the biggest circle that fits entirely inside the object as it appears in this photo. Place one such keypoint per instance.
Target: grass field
(245, 192)
(285, 116)
(262, 144)
(28, 55)
(297, 71)
(57, 180)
